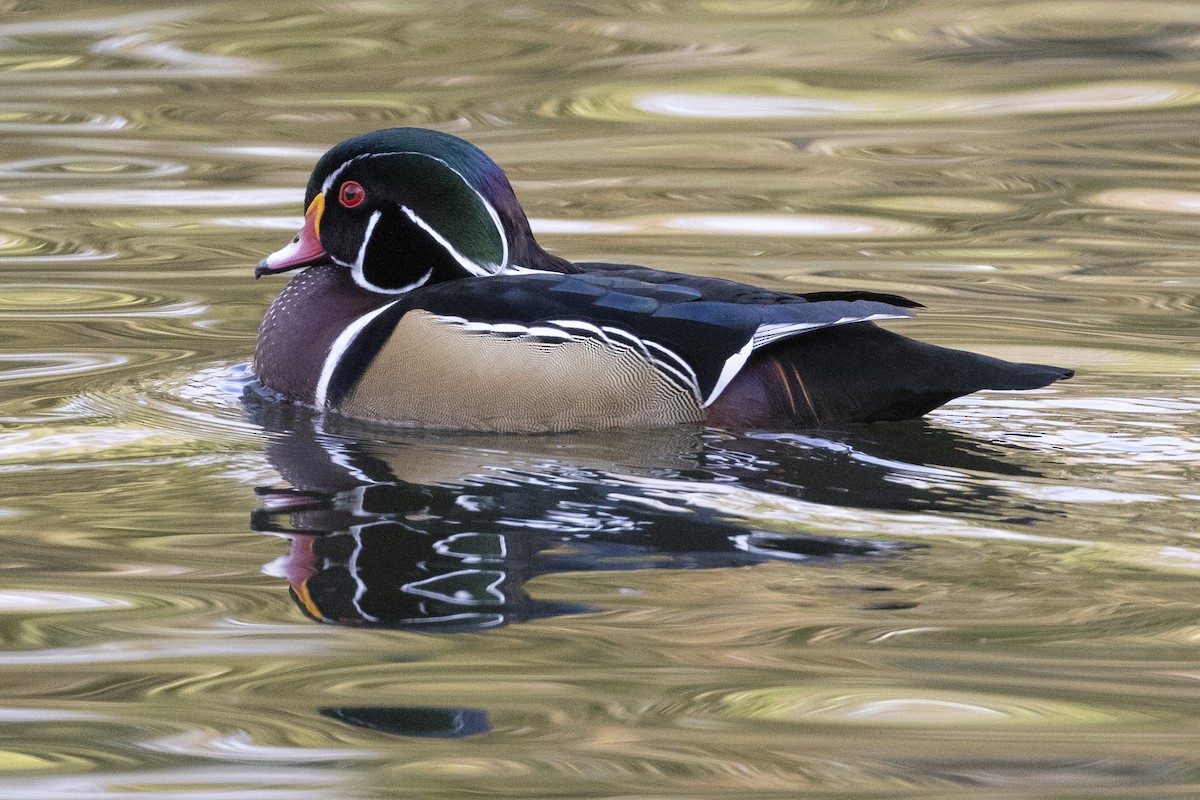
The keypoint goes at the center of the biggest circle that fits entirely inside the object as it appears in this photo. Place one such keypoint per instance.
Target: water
(999, 601)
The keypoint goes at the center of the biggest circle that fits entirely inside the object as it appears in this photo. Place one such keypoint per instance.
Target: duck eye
(351, 194)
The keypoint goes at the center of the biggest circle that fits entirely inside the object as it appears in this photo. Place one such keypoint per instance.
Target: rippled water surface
(208, 597)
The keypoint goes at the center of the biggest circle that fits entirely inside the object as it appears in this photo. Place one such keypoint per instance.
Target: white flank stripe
(684, 381)
(549, 333)
(360, 587)
(635, 341)
(773, 332)
(506, 328)
(340, 344)
(680, 369)
(680, 363)
(733, 365)
(580, 325)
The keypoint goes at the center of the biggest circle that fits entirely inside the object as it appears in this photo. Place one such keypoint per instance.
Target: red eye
(351, 194)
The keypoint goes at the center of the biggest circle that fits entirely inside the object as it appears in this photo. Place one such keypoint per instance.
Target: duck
(423, 299)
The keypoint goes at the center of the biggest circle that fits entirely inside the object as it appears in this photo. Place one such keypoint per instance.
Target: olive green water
(998, 602)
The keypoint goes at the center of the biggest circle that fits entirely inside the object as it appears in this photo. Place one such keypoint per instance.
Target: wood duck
(426, 301)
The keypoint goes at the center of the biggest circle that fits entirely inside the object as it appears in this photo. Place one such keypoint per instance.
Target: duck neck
(300, 327)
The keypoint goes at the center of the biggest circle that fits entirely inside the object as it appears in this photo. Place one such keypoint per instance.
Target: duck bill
(303, 251)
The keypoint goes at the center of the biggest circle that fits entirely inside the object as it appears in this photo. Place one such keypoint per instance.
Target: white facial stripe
(488, 206)
(470, 266)
(495, 217)
(356, 269)
(357, 266)
(418, 283)
(340, 345)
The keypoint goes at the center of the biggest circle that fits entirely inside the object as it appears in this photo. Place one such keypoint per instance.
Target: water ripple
(56, 301)
(17, 247)
(186, 414)
(764, 99)
(261, 782)
(1165, 200)
(35, 119)
(55, 365)
(33, 601)
(174, 198)
(1078, 40)
(906, 707)
(88, 168)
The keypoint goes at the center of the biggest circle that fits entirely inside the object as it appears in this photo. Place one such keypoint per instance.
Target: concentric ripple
(779, 99)
(905, 708)
(55, 301)
(89, 168)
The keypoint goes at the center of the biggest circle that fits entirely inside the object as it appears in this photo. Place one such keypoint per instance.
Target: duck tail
(862, 373)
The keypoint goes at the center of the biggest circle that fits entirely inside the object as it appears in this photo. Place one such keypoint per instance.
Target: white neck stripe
(338, 350)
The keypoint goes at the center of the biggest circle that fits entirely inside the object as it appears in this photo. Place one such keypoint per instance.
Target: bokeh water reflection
(999, 600)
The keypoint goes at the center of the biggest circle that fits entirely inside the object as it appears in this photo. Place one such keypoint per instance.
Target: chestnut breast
(301, 325)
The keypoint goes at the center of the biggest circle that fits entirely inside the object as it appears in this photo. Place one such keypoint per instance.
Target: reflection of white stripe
(517, 269)
(340, 345)
(462, 597)
(360, 587)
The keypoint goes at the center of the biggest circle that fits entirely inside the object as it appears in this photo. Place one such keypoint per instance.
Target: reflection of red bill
(303, 251)
(299, 567)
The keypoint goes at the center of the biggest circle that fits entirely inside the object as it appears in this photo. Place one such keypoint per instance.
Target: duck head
(403, 207)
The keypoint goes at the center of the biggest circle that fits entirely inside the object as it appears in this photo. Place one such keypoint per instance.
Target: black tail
(862, 373)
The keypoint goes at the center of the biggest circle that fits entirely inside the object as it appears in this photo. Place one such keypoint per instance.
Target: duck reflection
(441, 532)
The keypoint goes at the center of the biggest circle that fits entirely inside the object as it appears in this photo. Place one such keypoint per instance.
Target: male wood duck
(426, 301)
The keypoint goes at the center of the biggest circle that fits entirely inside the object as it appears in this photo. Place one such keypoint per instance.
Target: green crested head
(403, 207)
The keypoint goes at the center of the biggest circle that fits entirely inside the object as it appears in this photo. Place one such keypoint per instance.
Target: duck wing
(733, 291)
(699, 332)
